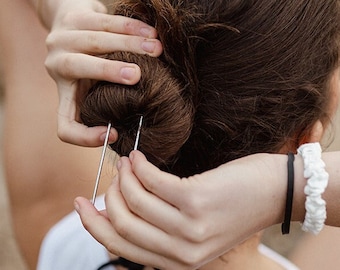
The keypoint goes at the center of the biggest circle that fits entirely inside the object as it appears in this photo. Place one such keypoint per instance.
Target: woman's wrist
(274, 167)
(274, 182)
(262, 180)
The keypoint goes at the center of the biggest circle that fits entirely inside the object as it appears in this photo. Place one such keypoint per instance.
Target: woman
(20, 198)
(262, 94)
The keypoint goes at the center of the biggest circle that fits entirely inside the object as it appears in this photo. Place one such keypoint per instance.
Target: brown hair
(236, 77)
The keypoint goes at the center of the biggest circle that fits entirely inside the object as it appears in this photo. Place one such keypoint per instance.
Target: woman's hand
(160, 220)
(81, 31)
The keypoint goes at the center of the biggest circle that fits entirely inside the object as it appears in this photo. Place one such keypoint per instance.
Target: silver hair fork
(103, 155)
(101, 164)
(138, 132)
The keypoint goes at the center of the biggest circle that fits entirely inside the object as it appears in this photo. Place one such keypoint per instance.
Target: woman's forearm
(226, 205)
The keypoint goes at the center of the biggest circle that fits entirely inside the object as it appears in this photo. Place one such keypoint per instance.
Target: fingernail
(128, 73)
(149, 46)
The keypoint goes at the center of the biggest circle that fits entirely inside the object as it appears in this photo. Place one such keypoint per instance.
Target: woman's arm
(158, 219)
(81, 30)
(150, 212)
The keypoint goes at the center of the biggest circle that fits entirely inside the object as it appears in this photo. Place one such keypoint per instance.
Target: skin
(40, 191)
(80, 30)
(37, 190)
(186, 228)
(193, 214)
(90, 138)
(166, 218)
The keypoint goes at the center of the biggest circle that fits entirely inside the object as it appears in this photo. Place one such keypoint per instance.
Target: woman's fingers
(73, 66)
(108, 23)
(147, 241)
(100, 42)
(70, 130)
(81, 33)
(172, 251)
(166, 231)
(99, 226)
(180, 235)
(147, 205)
(73, 132)
(164, 185)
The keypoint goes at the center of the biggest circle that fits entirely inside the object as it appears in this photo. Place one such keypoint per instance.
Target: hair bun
(159, 97)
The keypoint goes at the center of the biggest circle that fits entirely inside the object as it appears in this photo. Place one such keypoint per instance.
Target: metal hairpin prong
(101, 164)
(138, 132)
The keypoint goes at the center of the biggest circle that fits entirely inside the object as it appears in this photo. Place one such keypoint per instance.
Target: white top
(68, 246)
(286, 264)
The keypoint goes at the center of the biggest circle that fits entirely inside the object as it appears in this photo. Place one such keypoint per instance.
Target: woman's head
(236, 77)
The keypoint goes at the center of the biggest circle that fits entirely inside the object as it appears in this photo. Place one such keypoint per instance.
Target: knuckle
(198, 233)
(93, 42)
(50, 40)
(111, 246)
(63, 130)
(135, 203)
(120, 228)
(190, 261)
(106, 23)
(62, 134)
(130, 43)
(194, 204)
(151, 186)
(178, 265)
(185, 256)
(49, 65)
(65, 65)
(129, 25)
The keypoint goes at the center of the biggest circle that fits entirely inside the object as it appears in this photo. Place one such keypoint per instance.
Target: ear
(315, 134)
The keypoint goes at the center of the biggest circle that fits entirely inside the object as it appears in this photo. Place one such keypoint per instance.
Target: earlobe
(311, 135)
(316, 132)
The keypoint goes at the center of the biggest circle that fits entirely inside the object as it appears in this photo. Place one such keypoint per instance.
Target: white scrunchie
(317, 181)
